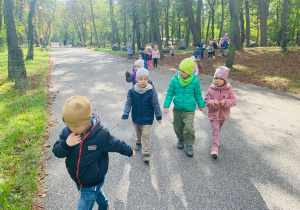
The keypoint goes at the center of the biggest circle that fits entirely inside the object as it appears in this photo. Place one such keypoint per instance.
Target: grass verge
(23, 123)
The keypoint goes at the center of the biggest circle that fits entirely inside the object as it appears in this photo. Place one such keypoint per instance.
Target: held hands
(166, 110)
(127, 72)
(202, 110)
(73, 140)
(222, 103)
(159, 121)
(133, 153)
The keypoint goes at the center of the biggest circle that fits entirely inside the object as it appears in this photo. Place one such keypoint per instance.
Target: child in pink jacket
(219, 98)
(155, 56)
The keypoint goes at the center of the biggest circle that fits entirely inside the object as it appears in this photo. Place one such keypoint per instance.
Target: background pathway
(258, 165)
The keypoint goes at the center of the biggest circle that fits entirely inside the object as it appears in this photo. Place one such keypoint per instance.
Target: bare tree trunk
(187, 37)
(263, 15)
(207, 31)
(156, 27)
(257, 27)
(15, 52)
(0, 15)
(125, 24)
(113, 22)
(298, 37)
(247, 23)
(167, 24)
(95, 30)
(242, 22)
(198, 18)
(212, 8)
(138, 35)
(235, 6)
(285, 13)
(222, 21)
(189, 12)
(30, 36)
(179, 29)
(36, 38)
(238, 33)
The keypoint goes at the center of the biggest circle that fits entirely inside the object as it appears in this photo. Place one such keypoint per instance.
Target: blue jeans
(202, 51)
(90, 195)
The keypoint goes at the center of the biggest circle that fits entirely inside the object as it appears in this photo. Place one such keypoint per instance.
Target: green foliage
(23, 122)
(3, 40)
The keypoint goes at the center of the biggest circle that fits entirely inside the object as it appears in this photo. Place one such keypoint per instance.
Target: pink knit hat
(222, 72)
(139, 63)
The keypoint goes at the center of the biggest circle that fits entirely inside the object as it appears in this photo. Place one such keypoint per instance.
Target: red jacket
(219, 93)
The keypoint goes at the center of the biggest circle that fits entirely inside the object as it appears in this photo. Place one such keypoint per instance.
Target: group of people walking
(85, 142)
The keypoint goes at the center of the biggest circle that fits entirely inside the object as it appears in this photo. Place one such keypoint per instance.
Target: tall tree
(247, 23)
(30, 36)
(95, 30)
(198, 17)
(298, 37)
(167, 24)
(212, 8)
(284, 36)
(16, 60)
(0, 15)
(242, 22)
(113, 23)
(222, 20)
(235, 6)
(156, 27)
(263, 15)
(193, 24)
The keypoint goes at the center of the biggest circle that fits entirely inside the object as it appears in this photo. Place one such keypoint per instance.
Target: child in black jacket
(85, 143)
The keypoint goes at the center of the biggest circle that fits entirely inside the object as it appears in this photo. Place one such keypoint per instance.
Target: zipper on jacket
(81, 143)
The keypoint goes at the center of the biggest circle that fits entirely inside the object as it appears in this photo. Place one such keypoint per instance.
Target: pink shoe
(214, 152)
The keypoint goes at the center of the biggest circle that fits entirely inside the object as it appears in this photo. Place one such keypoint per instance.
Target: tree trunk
(125, 24)
(263, 15)
(134, 18)
(238, 33)
(138, 35)
(247, 23)
(187, 37)
(298, 37)
(189, 12)
(167, 24)
(156, 27)
(212, 8)
(207, 31)
(235, 6)
(257, 27)
(198, 18)
(0, 15)
(242, 22)
(15, 52)
(285, 12)
(222, 21)
(95, 30)
(30, 36)
(114, 25)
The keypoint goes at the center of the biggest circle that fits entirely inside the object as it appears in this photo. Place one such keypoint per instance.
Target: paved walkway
(258, 165)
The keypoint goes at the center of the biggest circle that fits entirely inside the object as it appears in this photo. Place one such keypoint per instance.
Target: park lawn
(23, 123)
(261, 66)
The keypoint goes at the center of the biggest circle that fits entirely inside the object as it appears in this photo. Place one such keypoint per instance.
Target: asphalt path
(259, 160)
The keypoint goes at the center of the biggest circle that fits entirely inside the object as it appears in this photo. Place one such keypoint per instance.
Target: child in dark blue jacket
(142, 98)
(85, 144)
(224, 46)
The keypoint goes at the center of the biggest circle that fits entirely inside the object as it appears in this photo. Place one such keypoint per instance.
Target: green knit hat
(187, 65)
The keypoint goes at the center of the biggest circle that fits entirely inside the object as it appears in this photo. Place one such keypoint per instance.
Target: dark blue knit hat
(141, 48)
(198, 45)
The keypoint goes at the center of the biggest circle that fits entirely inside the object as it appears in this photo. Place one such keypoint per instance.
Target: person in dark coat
(85, 144)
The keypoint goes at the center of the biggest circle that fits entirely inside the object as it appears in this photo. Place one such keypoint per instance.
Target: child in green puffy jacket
(185, 89)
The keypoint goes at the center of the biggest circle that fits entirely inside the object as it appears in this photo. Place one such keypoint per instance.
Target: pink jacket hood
(219, 93)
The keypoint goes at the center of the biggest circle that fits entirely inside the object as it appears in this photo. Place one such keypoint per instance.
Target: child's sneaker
(189, 150)
(180, 144)
(137, 146)
(214, 152)
(146, 158)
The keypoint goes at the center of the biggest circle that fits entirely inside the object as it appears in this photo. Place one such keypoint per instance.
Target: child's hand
(166, 110)
(202, 110)
(124, 119)
(159, 121)
(133, 153)
(73, 140)
(222, 103)
(127, 72)
(216, 103)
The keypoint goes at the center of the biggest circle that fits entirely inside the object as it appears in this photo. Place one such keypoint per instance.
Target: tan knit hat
(77, 111)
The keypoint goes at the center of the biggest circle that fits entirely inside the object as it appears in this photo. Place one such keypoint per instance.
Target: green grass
(23, 123)
(109, 50)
